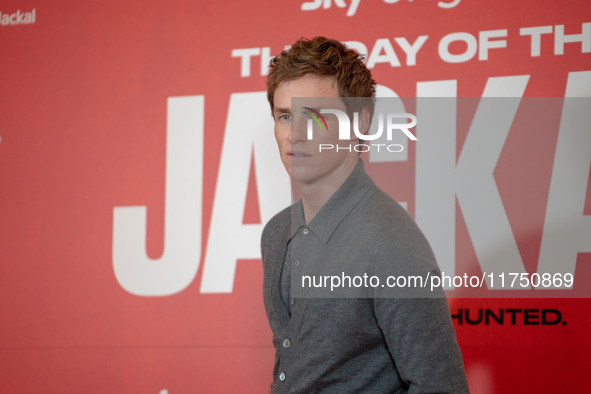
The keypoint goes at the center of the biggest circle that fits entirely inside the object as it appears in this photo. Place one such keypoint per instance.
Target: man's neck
(314, 195)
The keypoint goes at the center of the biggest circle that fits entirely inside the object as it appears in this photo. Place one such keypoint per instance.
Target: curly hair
(323, 57)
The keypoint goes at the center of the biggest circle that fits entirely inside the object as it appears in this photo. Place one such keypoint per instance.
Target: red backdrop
(86, 122)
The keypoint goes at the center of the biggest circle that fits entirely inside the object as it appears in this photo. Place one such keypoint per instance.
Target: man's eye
(284, 117)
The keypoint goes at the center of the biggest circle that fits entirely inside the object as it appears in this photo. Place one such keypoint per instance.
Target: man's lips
(296, 154)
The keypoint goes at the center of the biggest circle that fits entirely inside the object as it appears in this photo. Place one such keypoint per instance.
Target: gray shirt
(355, 342)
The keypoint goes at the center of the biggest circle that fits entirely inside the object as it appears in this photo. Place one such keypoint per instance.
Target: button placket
(302, 244)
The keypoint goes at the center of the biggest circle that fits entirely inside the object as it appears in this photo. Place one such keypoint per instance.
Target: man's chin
(302, 175)
(298, 174)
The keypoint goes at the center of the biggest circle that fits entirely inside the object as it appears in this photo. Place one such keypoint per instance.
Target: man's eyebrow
(317, 109)
(278, 110)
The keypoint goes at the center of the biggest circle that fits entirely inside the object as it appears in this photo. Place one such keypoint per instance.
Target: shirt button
(282, 376)
(297, 262)
(292, 301)
(286, 343)
(305, 231)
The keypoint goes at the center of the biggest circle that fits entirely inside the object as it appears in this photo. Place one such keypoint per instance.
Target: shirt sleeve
(416, 321)
(422, 342)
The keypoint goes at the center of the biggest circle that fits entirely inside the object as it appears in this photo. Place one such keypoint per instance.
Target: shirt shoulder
(387, 215)
(394, 233)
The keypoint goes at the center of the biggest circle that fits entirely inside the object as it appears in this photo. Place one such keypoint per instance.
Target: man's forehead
(308, 91)
(316, 103)
(309, 85)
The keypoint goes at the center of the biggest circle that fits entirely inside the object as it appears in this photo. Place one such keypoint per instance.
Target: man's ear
(364, 120)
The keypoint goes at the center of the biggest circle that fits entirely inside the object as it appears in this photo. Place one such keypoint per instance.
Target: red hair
(326, 58)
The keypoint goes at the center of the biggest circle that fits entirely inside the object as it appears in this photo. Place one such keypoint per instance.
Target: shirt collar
(338, 206)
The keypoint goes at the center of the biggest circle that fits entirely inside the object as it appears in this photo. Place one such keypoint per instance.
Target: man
(356, 342)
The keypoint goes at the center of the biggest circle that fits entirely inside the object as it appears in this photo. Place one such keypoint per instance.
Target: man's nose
(299, 127)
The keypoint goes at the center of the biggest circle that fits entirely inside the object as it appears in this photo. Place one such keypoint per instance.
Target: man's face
(300, 156)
